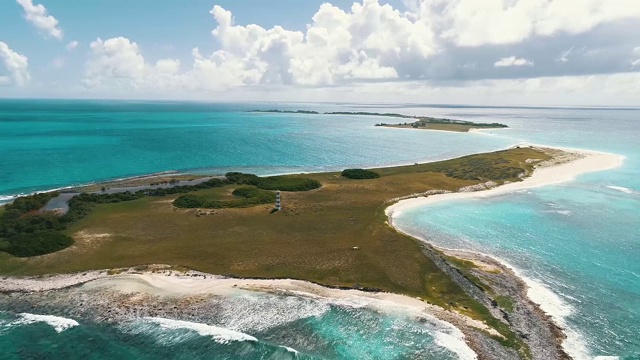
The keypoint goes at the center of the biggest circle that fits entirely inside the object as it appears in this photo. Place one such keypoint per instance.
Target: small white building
(278, 202)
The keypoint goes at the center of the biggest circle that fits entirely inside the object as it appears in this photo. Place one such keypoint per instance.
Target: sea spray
(623, 189)
(456, 344)
(60, 324)
(219, 334)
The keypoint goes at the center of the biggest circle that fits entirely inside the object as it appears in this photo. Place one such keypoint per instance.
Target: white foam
(60, 324)
(219, 334)
(256, 313)
(7, 198)
(622, 189)
(558, 309)
(561, 212)
(291, 350)
(456, 344)
(606, 358)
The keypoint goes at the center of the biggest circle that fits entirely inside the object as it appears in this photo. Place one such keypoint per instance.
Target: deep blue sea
(579, 241)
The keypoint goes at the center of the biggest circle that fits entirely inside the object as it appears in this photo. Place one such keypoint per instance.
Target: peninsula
(332, 231)
(414, 122)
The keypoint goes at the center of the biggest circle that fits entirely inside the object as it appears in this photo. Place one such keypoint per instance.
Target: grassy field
(312, 238)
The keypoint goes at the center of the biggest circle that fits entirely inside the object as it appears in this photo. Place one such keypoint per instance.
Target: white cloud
(118, 63)
(16, 64)
(37, 15)
(475, 23)
(636, 55)
(72, 45)
(366, 43)
(376, 47)
(512, 61)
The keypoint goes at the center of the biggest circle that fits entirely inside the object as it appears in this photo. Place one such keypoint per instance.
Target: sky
(484, 52)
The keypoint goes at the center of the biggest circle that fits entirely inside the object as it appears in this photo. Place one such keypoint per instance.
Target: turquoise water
(247, 327)
(580, 239)
(51, 144)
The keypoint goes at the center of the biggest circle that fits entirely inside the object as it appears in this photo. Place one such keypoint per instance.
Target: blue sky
(551, 52)
(164, 28)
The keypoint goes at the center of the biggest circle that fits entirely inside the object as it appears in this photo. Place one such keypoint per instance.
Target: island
(334, 232)
(286, 111)
(415, 122)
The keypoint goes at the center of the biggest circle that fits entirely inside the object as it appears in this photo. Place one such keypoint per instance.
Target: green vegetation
(24, 230)
(22, 222)
(250, 196)
(479, 168)
(23, 205)
(312, 238)
(505, 303)
(359, 174)
(427, 122)
(419, 122)
(282, 183)
(37, 243)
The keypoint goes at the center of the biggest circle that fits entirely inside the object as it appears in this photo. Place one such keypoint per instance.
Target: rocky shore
(123, 295)
(501, 291)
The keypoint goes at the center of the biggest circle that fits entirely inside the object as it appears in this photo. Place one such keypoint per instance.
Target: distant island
(286, 111)
(418, 122)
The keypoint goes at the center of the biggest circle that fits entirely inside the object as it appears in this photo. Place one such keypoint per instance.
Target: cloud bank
(438, 47)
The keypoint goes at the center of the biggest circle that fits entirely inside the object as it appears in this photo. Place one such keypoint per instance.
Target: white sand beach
(578, 162)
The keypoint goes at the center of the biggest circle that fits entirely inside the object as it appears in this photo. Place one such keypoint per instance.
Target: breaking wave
(219, 334)
(60, 324)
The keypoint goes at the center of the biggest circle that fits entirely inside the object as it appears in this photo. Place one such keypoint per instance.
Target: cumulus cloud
(368, 42)
(16, 65)
(118, 61)
(38, 16)
(439, 43)
(512, 61)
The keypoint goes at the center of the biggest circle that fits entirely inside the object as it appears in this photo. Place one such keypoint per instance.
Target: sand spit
(567, 165)
(533, 311)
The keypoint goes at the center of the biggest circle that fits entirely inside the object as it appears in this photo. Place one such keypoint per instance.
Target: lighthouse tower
(278, 204)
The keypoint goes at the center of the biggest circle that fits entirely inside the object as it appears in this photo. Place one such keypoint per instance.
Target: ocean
(578, 243)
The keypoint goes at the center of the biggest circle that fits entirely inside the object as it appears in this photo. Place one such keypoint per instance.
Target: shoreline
(586, 161)
(475, 332)
(6, 199)
(161, 281)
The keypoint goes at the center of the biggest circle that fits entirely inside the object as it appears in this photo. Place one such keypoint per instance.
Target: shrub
(29, 203)
(39, 243)
(189, 201)
(249, 195)
(360, 174)
(240, 178)
(284, 183)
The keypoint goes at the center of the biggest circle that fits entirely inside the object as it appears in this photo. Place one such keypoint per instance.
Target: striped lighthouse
(278, 204)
